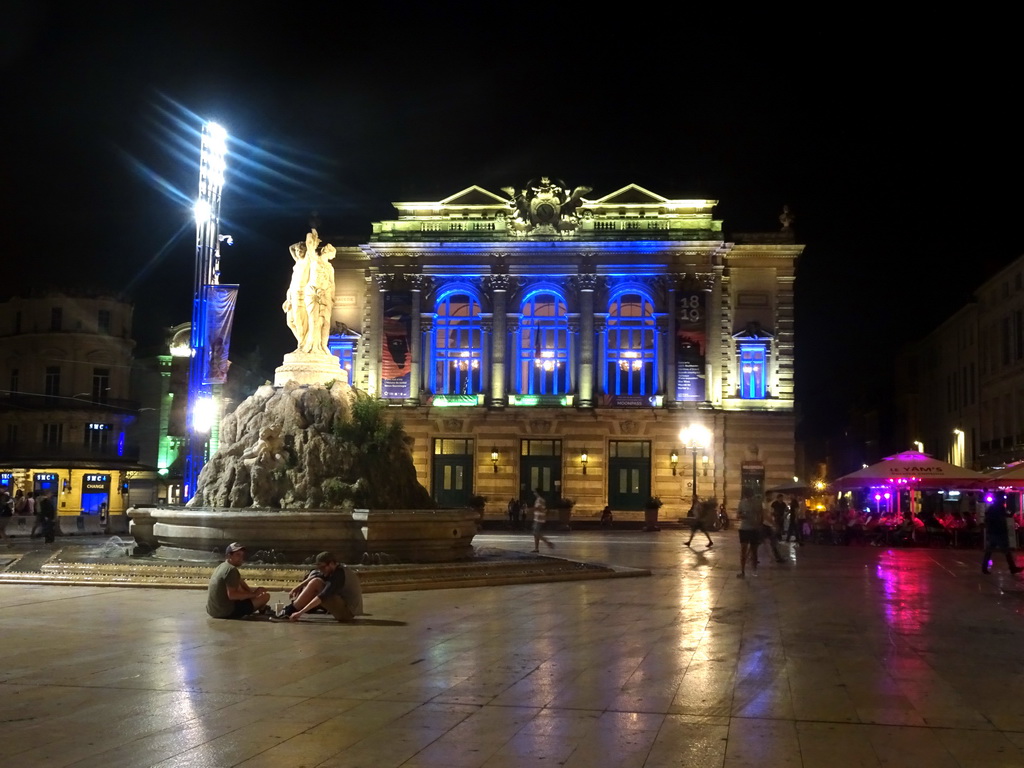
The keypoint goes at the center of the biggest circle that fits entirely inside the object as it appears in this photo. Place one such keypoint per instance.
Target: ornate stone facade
(613, 321)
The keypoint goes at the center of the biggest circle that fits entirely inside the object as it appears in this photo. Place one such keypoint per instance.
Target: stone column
(420, 285)
(716, 338)
(376, 332)
(669, 345)
(415, 349)
(499, 286)
(427, 328)
(587, 283)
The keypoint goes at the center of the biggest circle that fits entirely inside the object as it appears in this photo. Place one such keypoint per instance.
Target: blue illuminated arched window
(543, 346)
(631, 346)
(458, 346)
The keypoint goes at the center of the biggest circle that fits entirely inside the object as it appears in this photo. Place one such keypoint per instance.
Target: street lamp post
(200, 413)
(695, 437)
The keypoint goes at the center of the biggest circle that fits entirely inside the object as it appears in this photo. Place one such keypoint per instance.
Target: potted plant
(651, 507)
(563, 508)
(477, 504)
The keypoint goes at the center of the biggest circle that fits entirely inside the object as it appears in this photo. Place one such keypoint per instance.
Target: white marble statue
(310, 298)
(295, 303)
(319, 298)
(308, 306)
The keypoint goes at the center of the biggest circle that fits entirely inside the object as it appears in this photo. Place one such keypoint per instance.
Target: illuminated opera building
(548, 339)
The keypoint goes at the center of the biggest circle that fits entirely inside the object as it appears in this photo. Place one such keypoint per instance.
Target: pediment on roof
(631, 193)
(474, 195)
(753, 331)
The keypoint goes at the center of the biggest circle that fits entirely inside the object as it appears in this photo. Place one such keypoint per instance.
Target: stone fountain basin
(409, 536)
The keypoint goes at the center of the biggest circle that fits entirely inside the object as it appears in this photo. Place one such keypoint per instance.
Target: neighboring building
(66, 411)
(161, 384)
(962, 385)
(545, 339)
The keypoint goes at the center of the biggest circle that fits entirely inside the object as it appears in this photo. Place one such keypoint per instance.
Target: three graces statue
(310, 298)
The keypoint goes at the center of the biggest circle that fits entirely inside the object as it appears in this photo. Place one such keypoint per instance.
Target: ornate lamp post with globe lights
(201, 413)
(696, 437)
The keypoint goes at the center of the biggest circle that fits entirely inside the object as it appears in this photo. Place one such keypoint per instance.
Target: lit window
(343, 348)
(458, 346)
(543, 346)
(631, 346)
(752, 370)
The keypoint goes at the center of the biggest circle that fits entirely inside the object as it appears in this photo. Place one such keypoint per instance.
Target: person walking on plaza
(227, 595)
(6, 513)
(796, 521)
(769, 535)
(702, 515)
(46, 512)
(540, 516)
(32, 510)
(997, 535)
(750, 517)
(779, 510)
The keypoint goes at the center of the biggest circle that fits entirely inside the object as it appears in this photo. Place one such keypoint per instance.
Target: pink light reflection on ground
(906, 590)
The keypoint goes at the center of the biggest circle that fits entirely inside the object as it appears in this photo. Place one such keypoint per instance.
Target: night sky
(896, 151)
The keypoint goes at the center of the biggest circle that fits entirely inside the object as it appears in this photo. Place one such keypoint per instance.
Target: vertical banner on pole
(396, 347)
(691, 344)
(220, 315)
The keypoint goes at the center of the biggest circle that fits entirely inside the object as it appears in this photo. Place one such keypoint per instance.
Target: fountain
(310, 463)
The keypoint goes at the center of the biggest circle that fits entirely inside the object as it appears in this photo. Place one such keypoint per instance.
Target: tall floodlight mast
(202, 409)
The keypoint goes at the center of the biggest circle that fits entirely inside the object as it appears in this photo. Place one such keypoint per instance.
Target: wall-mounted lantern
(584, 458)
(704, 463)
(494, 457)
(673, 459)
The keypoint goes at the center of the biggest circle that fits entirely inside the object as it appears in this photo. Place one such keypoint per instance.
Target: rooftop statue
(545, 207)
(786, 219)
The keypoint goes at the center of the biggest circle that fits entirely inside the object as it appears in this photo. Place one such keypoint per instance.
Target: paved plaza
(843, 656)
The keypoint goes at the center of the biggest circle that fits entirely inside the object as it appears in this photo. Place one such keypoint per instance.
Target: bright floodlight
(203, 414)
(203, 211)
(217, 133)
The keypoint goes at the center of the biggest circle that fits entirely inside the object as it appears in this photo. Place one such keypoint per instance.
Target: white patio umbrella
(910, 469)
(1009, 477)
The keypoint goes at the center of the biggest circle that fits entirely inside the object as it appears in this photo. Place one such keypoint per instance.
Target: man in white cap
(228, 596)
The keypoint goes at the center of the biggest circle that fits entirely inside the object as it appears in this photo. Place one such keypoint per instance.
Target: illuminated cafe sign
(96, 483)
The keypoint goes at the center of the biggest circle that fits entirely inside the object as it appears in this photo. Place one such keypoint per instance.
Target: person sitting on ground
(228, 596)
(606, 516)
(330, 585)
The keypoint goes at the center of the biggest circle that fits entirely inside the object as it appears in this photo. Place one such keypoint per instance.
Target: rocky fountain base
(404, 536)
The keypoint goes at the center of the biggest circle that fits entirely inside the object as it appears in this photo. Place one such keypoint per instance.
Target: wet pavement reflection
(841, 656)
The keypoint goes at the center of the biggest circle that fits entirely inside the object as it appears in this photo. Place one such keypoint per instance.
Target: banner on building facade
(396, 347)
(691, 346)
(220, 316)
